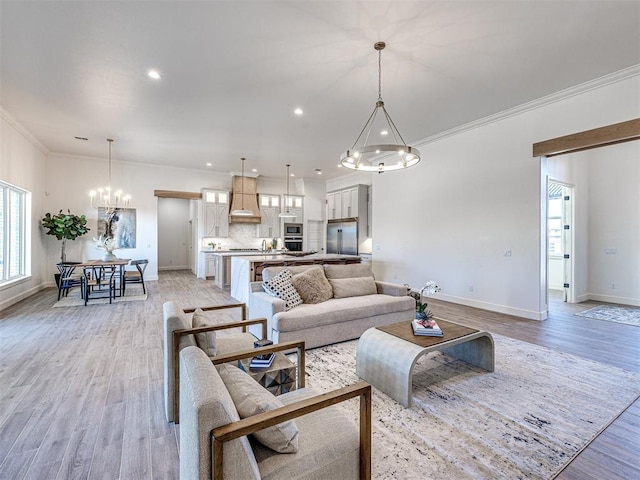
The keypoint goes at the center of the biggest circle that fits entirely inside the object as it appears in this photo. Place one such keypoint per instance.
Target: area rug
(134, 294)
(613, 313)
(527, 419)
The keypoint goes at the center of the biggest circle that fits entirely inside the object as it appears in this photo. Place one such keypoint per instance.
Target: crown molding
(609, 79)
(11, 120)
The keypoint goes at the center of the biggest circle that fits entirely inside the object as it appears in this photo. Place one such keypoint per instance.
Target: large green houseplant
(65, 226)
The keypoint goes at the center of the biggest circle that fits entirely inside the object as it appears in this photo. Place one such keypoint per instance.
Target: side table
(278, 378)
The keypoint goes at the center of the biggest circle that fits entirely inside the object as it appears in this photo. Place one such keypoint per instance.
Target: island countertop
(247, 269)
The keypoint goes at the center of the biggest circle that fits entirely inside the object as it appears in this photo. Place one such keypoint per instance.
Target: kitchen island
(247, 269)
(222, 262)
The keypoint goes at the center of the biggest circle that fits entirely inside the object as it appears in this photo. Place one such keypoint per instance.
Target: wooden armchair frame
(257, 422)
(177, 334)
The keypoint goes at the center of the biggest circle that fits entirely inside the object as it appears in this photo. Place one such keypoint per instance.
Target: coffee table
(386, 355)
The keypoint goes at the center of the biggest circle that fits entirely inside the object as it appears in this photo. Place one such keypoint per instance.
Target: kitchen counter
(248, 268)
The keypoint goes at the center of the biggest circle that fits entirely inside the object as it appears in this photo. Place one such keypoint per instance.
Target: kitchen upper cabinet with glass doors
(215, 205)
(269, 227)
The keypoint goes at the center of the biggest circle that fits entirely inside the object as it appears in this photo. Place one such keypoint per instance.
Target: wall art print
(121, 224)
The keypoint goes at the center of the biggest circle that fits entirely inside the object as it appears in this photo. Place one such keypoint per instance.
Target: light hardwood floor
(81, 387)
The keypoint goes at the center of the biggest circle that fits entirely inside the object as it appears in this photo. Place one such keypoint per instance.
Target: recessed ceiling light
(298, 111)
(209, 164)
(292, 175)
(318, 171)
(154, 74)
(254, 170)
(384, 132)
(339, 165)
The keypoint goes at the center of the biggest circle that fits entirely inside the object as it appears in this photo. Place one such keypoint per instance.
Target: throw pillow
(280, 286)
(313, 286)
(250, 398)
(207, 340)
(353, 287)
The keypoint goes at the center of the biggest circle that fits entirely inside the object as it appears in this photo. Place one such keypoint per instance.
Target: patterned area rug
(614, 313)
(527, 419)
(134, 294)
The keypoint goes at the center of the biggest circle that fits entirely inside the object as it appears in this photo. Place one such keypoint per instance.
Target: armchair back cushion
(205, 404)
(251, 398)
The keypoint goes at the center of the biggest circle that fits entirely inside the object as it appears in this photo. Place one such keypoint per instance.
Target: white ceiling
(233, 71)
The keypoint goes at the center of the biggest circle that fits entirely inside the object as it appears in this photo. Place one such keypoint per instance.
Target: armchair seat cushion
(328, 446)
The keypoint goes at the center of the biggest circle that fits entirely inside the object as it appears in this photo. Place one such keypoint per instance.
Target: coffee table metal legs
(387, 362)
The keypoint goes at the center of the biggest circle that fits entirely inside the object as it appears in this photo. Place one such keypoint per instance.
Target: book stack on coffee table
(427, 328)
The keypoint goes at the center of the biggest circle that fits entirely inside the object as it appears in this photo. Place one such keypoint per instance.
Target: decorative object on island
(422, 313)
(212, 245)
(65, 226)
(242, 211)
(106, 198)
(274, 243)
(287, 202)
(381, 157)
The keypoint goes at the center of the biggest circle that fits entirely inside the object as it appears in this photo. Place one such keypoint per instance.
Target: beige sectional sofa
(357, 302)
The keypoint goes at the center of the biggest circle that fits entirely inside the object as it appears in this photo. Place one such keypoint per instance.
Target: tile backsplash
(241, 235)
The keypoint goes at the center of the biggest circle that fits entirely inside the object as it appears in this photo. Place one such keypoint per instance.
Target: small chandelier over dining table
(106, 197)
(380, 157)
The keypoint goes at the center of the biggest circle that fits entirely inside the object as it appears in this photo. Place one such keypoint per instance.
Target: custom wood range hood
(244, 195)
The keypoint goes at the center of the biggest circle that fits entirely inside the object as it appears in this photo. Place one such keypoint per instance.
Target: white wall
(22, 163)
(476, 194)
(614, 212)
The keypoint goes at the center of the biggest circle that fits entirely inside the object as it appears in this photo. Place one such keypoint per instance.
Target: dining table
(97, 264)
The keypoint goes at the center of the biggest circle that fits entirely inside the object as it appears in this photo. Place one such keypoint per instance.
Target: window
(555, 226)
(13, 232)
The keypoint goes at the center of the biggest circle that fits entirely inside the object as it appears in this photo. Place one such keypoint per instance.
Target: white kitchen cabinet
(294, 204)
(216, 213)
(348, 203)
(211, 265)
(269, 226)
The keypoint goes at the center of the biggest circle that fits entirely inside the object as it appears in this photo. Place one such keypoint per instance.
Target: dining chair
(137, 275)
(68, 278)
(99, 282)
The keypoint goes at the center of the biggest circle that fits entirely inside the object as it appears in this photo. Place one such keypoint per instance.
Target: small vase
(421, 316)
(109, 257)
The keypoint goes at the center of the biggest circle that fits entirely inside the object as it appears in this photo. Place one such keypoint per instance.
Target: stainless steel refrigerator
(342, 236)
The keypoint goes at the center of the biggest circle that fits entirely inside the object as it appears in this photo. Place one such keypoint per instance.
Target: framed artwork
(121, 225)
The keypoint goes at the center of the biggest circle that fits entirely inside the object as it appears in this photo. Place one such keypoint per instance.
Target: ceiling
(233, 72)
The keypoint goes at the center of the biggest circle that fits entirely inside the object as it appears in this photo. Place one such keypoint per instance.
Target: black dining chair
(99, 282)
(68, 278)
(137, 275)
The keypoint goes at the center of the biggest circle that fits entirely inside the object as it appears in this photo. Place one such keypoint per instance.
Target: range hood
(244, 195)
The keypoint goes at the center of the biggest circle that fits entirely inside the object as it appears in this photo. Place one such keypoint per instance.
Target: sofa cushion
(280, 286)
(353, 287)
(339, 310)
(350, 270)
(312, 285)
(250, 398)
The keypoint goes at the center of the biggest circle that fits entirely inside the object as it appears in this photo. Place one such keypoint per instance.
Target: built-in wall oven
(293, 237)
(293, 243)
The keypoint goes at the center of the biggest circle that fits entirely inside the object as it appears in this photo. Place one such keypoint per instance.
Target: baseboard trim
(493, 307)
(27, 293)
(634, 302)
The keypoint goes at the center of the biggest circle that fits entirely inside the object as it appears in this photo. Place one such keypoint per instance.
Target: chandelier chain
(380, 75)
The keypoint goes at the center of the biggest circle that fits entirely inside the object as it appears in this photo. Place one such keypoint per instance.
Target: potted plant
(65, 226)
(422, 313)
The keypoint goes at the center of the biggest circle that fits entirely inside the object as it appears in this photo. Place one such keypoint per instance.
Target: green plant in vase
(65, 226)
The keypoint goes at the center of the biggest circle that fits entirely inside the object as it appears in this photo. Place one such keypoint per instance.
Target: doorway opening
(560, 240)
